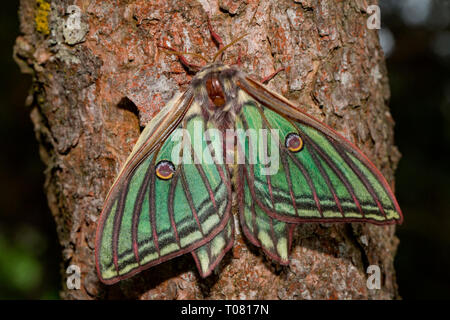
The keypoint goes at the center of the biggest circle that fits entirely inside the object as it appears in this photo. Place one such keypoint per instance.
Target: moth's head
(214, 85)
(215, 91)
(213, 82)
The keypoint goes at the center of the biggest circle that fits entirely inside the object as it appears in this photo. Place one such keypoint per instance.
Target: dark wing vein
(327, 179)
(118, 221)
(188, 194)
(152, 209)
(336, 171)
(170, 200)
(362, 177)
(138, 210)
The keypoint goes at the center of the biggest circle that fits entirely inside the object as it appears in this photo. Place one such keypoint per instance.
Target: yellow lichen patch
(41, 17)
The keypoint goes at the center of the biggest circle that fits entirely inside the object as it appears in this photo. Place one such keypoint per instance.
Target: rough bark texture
(98, 83)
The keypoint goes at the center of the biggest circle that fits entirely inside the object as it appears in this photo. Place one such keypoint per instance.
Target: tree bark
(99, 79)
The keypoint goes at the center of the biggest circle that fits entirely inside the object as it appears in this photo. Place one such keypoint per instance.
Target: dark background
(416, 38)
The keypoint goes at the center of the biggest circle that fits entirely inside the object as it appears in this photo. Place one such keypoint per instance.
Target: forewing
(147, 220)
(328, 180)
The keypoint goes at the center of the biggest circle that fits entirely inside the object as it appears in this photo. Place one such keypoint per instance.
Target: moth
(168, 200)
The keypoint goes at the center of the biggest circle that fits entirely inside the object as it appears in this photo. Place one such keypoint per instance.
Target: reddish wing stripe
(118, 222)
(248, 176)
(327, 179)
(290, 230)
(255, 226)
(152, 209)
(288, 179)
(243, 170)
(362, 177)
(269, 182)
(204, 178)
(138, 210)
(170, 199)
(226, 179)
(242, 206)
(333, 167)
(207, 184)
(223, 175)
(308, 179)
(272, 235)
(245, 124)
(190, 201)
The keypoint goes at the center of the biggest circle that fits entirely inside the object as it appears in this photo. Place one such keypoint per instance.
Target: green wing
(272, 235)
(151, 216)
(326, 180)
(208, 256)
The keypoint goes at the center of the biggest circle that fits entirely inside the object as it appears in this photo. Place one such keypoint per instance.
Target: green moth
(174, 193)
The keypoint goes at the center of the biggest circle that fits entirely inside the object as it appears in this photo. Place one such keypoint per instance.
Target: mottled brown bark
(97, 84)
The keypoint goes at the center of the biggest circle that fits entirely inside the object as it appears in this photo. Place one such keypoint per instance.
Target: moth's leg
(217, 39)
(267, 78)
(238, 61)
(272, 75)
(191, 66)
